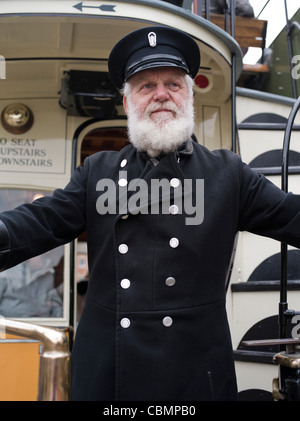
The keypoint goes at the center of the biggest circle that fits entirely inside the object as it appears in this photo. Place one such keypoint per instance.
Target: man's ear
(125, 104)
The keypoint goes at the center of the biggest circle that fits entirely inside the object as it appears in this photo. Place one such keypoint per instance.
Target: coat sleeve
(266, 210)
(34, 228)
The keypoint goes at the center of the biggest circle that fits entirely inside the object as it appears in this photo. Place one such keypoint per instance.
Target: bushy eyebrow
(179, 81)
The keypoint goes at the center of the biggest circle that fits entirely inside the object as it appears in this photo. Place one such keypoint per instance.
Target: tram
(58, 106)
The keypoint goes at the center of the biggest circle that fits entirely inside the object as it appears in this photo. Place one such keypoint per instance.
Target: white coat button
(124, 216)
(173, 209)
(174, 242)
(170, 281)
(175, 182)
(122, 182)
(167, 321)
(123, 248)
(125, 283)
(123, 163)
(125, 323)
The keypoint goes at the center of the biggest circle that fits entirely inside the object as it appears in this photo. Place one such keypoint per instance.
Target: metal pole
(232, 12)
(233, 78)
(226, 15)
(233, 101)
(54, 372)
(283, 306)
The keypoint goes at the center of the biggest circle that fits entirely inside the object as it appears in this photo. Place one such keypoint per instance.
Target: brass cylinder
(54, 376)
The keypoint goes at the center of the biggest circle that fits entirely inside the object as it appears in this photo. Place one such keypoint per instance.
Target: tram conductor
(154, 325)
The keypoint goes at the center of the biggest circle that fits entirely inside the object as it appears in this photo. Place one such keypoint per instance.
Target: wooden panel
(249, 32)
(19, 367)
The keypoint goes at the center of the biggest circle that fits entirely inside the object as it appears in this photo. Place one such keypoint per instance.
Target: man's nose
(161, 93)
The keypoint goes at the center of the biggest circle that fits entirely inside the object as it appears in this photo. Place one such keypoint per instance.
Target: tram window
(33, 288)
(104, 138)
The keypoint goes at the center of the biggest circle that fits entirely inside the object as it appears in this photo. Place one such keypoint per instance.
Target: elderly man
(154, 324)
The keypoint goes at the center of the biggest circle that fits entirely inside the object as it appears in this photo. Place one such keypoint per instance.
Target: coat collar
(186, 148)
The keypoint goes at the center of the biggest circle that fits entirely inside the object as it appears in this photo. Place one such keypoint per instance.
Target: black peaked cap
(153, 47)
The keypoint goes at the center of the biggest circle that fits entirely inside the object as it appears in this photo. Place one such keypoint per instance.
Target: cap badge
(152, 39)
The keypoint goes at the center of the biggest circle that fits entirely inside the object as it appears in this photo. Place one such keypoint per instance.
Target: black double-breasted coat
(154, 326)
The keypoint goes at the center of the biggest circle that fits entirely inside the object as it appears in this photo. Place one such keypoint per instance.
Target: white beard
(163, 132)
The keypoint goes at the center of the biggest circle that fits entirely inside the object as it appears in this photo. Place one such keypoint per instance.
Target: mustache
(168, 105)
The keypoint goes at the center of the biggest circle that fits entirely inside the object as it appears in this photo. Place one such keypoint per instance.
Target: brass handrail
(54, 366)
